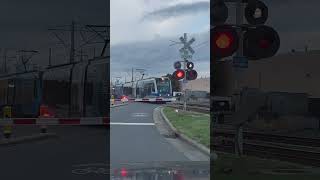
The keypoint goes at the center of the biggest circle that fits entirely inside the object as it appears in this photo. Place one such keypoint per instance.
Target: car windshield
(164, 86)
(140, 134)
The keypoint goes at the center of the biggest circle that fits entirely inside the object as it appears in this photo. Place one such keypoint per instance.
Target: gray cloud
(157, 56)
(24, 24)
(177, 10)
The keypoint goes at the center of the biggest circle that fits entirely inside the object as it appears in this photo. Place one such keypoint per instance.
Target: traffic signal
(191, 74)
(124, 172)
(218, 12)
(190, 65)
(260, 42)
(179, 74)
(224, 41)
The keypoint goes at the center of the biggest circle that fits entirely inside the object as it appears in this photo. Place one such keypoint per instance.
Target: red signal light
(179, 74)
(264, 44)
(224, 41)
(124, 172)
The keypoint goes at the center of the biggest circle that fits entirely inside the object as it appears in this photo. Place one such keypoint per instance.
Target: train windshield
(164, 86)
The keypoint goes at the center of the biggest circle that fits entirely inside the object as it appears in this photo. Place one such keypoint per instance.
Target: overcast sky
(24, 25)
(141, 31)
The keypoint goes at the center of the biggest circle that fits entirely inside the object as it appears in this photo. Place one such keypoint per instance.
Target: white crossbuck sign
(186, 44)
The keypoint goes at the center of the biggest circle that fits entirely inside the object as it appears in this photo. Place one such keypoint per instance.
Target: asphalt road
(135, 138)
(57, 158)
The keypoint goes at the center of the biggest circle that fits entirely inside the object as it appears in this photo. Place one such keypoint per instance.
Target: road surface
(135, 138)
(57, 158)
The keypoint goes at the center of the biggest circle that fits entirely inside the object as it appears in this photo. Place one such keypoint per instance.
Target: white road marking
(139, 114)
(132, 124)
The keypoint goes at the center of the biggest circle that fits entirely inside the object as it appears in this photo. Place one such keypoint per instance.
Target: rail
(301, 150)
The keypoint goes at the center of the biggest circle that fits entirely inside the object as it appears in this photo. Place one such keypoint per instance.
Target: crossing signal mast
(245, 41)
(185, 73)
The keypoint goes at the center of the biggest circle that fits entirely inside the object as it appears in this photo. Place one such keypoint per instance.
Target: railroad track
(273, 151)
(292, 149)
(302, 141)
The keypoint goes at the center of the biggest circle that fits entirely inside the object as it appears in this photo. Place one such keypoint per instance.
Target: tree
(175, 83)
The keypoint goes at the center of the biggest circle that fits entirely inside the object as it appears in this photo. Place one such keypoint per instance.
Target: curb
(27, 139)
(117, 105)
(201, 147)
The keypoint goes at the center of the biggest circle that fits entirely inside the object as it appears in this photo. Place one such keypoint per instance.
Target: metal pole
(184, 85)
(5, 60)
(239, 131)
(72, 43)
(49, 56)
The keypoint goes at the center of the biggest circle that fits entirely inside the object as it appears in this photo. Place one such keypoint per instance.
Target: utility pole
(132, 75)
(72, 43)
(185, 55)
(49, 56)
(5, 60)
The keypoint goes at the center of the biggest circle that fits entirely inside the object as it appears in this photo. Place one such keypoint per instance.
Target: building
(201, 84)
(293, 73)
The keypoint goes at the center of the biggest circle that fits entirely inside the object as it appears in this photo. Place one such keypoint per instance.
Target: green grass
(249, 168)
(194, 125)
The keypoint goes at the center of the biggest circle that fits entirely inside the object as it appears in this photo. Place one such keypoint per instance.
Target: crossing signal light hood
(190, 65)
(256, 12)
(224, 41)
(260, 42)
(179, 74)
(218, 12)
(191, 75)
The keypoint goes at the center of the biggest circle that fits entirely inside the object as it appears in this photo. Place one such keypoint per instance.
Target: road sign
(177, 65)
(186, 44)
(240, 62)
(186, 56)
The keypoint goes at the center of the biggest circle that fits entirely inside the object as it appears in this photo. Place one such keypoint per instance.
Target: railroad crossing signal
(190, 65)
(224, 42)
(259, 41)
(179, 74)
(191, 74)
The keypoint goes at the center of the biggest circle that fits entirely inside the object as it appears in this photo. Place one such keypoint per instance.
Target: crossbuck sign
(186, 46)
